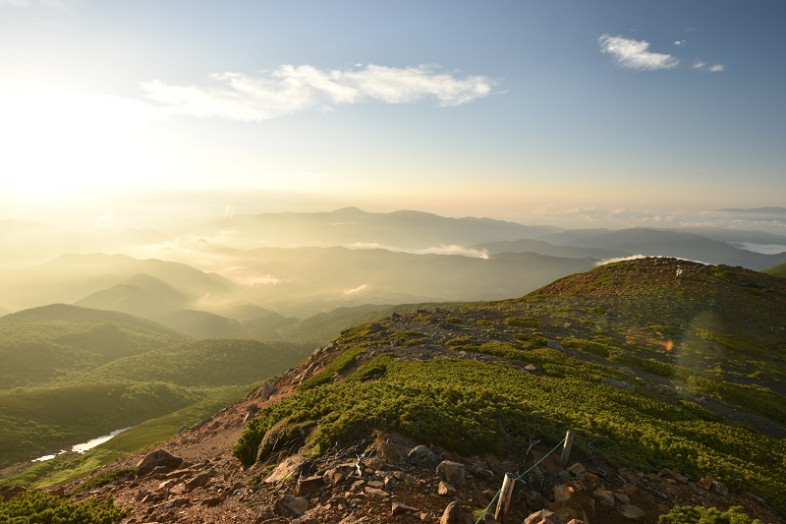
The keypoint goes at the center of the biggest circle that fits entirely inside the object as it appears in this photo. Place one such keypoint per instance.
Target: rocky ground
(194, 478)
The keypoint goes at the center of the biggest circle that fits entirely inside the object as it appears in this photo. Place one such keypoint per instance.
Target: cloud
(356, 290)
(679, 43)
(442, 249)
(291, 89)
(715, 68)
(635, 54)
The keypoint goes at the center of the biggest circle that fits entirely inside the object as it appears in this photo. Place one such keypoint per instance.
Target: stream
(82, 447)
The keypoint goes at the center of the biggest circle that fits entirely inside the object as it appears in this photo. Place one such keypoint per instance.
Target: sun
(70, 142)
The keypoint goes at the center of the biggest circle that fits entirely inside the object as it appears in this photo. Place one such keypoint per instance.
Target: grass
(702, 329)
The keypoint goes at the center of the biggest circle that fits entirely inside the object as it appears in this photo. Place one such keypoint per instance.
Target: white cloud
(356, 290)
(635, 54)
(290, 89)
(715, 68)
(442, 249)
(679, 43)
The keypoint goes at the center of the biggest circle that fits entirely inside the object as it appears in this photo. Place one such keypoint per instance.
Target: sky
(639, 110)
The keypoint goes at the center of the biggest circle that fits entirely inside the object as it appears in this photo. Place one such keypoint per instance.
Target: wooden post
(563, 459)
(505, 495)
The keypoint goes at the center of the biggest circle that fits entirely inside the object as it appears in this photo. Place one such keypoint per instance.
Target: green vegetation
(777, 271)
(45, 344)
(701, 515)
(103, 479)
(465, 388)
(70, 466)
(71, 374)
(45, 508)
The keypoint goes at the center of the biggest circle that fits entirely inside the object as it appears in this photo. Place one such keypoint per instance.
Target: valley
(401, 324)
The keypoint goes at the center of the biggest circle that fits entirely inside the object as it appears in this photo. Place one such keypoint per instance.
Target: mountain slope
(51, 342)
(402, 229)
(73, 277)
(141, 295)
(668, 372)
(588, 353)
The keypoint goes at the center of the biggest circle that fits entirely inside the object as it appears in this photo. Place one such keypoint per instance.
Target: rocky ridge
(195, 478)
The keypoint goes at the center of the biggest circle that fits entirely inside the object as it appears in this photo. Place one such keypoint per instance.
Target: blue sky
(507, 109)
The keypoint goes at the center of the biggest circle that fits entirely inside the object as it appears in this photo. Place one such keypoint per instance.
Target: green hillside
(654, 363)
(51, 343)
(204, 363)
(70, 374)
(778, 271)
(36, 422)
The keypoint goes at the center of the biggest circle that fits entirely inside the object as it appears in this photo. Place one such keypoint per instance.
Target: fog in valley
(267, 259)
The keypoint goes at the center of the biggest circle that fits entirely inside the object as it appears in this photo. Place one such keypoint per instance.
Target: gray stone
(451, 472)
(632, 512)
(161, 459)
(423, 456)
(294, 505)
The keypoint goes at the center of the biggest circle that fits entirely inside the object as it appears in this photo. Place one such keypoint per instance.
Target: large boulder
(450, 471)
(161, 459)
(423, 456)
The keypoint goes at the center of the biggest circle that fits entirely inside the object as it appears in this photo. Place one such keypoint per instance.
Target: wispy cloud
(442, 249)
(635, 54)
(291, 89)
(715, 68)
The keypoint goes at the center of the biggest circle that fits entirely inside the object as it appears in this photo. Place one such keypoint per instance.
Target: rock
(161, 459)
(564, 476)
(674, 474)
(704, 483)
(296, 506)
(622, 498)
(531, 368)
(632, 512)
(591, 479)
(289, 468)
(631, 491)
(200, 481)
(562, 492)
(544, 515)
(576, 521)
(720, 488)
(267, 390)
(451, 472)
(454, 514)
(310, 486)
(535, 501)
(423, 456)
(445, 489)
(577, 469)
(605, 497)
(375, 492)
(398, 508)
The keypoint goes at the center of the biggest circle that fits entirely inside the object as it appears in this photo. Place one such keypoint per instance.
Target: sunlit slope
(778, 271)
(654, 363)
(52, 342)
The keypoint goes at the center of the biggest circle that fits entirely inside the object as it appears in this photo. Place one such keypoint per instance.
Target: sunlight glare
(68, 142)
